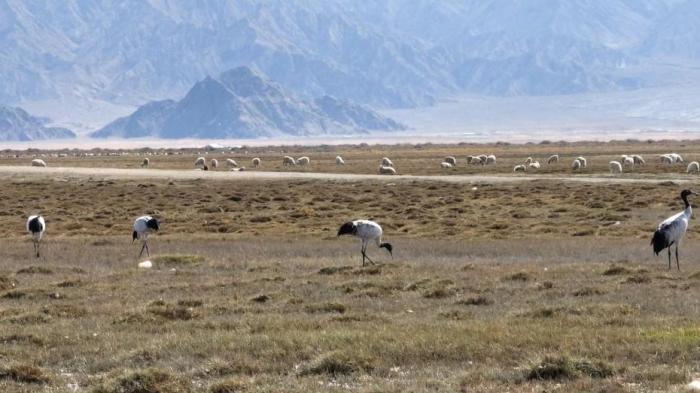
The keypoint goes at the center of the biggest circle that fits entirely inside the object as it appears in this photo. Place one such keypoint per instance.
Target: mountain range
(18, 125)
(241, 103)
(73, 57)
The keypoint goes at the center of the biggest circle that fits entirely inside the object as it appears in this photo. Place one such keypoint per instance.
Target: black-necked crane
(672, 230)
(36, 227)
(367, 231)
(143, 226)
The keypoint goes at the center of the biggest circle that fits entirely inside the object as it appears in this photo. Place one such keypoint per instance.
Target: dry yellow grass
(532, 286)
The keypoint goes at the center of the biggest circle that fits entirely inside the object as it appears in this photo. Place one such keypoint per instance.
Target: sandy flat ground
(119, 173)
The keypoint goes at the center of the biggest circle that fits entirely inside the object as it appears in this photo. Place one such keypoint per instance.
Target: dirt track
(118, 173)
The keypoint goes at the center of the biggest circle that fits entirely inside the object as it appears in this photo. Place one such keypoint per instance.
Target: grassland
(421, 159)
(527, 286)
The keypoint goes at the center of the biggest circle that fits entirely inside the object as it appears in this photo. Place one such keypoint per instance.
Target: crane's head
(685, 193)
(348, 228)
(153, 224)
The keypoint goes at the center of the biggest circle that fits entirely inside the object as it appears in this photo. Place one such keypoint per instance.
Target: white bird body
(671, 230)
(367, 231)
(143, 226)
(36, 227)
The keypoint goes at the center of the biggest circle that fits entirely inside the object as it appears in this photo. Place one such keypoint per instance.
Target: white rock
(145, 265)
(695, 385)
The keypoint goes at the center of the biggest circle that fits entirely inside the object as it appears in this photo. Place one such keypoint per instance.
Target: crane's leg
(148, 252)
(362, 250)
(669, 257)
(38, 245)
(678, 264)
(36, 248)
(143, 247)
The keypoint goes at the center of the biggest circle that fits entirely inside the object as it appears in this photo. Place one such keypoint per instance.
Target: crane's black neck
(684, 197)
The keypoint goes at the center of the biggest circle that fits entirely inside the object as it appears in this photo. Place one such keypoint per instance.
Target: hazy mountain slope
(241, 103)
(18, 125)
(390, 53)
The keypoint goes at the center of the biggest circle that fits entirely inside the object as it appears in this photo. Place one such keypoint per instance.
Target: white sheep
(241, 169)
(482, 158)
(519, 168)
(615, 167)
(231, 163)
(491, 160)
(667, 159)
(583, 161)
(38, 162)
(628, 161)
(386, 170)
(476, 160)
(576, 165)
(256, 162)
(469, 159)
(534, 165)
(450, 160)
(339, 160)
(553, 159)
(145, 162)
(446, 165)
(528, 161)
(303, 161)
(200, 162)
(387, 162)
(287, 160)
(693, 167)
(214, 163)
(638, 160)
(677, 157)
